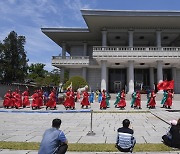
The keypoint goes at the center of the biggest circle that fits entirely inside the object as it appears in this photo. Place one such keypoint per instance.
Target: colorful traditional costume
(108, 97)
(165, 95)
(7, 100)
(35, 101)
(152, 102)
(133, 99)
(122, 103)
(91, 97)
(85, 101)
(67, 102)
(26, 101)
(18, 100)
(103, 102)
(137, 103)
(52, 100)
(168, 103)
(117, 99)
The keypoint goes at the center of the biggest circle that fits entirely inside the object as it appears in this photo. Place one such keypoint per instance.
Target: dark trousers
(124, 150)
(128, 149)
(62, 149)
(166, 140)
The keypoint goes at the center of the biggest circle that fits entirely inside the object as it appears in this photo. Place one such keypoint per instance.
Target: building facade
(121, 49)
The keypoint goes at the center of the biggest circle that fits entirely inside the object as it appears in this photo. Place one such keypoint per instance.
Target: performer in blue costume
(165, 95)
(91, 97)
(117, 99)
(100, 96)
(108, 97)
(133, 99)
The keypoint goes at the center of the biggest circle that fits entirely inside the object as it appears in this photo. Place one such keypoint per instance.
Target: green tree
(77, 82)
(37, 70)
(1, 61)
(13, 56)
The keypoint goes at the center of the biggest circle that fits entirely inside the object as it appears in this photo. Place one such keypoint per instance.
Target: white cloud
(76, 6)
(26, 18)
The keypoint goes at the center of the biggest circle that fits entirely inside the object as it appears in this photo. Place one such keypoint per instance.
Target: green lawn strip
(80, 147)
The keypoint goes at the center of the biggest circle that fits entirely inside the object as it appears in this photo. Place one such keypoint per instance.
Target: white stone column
(151, 72)
(131, 77)
(84, 73)
(130, 38)
(85, 49)
(62, 75)
(159, 74)
(158, 39)
(103, 74)
(104, 38)
(174, 78)
(159, 71)
(127, 76)
(63, 50)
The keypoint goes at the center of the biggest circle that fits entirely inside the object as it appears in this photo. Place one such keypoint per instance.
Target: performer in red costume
(152, 102)
(122, 102)
(52, 100)
(13, 98)
(7, 100)
(72, 101)
(103, 104)
(35, 101)
(40, 95)
(18, 100)
(78, 96)
(137, 104)
(85, 101)
(168, 102)
(67, 102)
(25, 95)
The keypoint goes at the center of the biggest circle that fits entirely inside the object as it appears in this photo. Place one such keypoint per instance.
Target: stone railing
(70, 60)
(144, 52)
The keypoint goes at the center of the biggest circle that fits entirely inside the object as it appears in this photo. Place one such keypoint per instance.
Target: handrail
(70, 57)
(118, 49)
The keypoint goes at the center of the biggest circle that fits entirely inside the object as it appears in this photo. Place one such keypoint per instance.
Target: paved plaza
(25, 125)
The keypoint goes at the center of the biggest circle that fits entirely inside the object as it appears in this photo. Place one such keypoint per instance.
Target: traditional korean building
(121, 49)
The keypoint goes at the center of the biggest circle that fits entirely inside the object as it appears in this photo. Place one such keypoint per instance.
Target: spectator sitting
(125, 140)
(172, 138)
(54, 140)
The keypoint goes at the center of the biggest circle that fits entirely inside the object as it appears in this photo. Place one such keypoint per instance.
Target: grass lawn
(85, 147)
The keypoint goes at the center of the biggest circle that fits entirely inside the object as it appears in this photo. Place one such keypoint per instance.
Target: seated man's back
(125, 140)
(54, 140)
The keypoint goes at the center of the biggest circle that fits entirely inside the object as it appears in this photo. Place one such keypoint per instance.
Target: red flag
(169, 85)
(165, 85)
(160, 85)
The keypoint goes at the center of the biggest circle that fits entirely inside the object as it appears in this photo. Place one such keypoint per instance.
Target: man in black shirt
(174, 139)
(125, 140)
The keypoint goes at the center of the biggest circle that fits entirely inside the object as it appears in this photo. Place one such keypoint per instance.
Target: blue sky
(26, 17)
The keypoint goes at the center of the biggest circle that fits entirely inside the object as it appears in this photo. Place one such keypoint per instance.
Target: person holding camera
(54, 141)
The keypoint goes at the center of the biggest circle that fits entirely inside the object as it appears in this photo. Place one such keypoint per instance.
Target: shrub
(77, 82)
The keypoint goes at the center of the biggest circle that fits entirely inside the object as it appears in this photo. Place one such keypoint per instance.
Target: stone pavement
(29, 127)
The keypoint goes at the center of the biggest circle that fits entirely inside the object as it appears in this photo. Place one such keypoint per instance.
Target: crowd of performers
(16, 99)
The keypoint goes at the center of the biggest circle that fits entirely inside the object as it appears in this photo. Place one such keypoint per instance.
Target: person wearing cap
(54, 141)
(125, 141)
(172, 138)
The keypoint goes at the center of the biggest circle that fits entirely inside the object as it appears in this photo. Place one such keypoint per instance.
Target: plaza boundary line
(66, 111)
